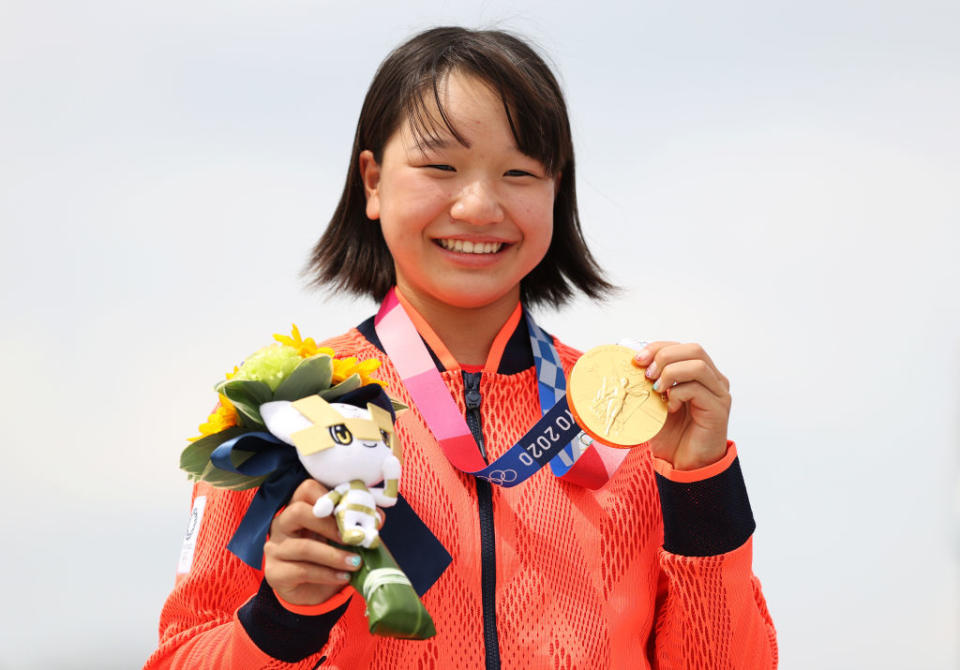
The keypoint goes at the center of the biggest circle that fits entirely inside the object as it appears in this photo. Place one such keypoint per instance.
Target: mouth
(469, 246)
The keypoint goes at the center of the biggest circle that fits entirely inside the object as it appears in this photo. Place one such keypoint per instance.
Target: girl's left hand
(698, 402)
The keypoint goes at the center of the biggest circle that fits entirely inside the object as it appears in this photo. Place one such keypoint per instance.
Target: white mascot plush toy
(347, 449)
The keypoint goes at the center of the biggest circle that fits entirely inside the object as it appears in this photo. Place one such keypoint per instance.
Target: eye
(341, 434)
(385, 436)
(518, 173)
(440, 166)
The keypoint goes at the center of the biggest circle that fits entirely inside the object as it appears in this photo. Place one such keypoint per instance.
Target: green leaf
(231, 480)
(310, 377)
(351, 383)
(195, 457)
(247, 396)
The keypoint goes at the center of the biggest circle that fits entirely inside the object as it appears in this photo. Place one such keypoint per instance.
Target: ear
(370, 174)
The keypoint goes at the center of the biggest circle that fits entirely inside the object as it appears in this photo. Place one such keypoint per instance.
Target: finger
(690, 371)
(699, 396)
(308, 491)
(307, 550)
(724, 380)
(299, 517)
(673, 352)
(288, 575)
(646, 353)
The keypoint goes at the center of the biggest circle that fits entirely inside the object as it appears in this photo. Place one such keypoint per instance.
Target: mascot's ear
(283, 420)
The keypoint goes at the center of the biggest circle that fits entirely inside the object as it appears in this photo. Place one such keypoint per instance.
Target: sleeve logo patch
(190, 538)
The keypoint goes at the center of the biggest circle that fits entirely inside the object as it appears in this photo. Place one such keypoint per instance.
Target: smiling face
(463, 222)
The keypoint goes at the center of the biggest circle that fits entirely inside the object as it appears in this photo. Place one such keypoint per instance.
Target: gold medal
(612, 399)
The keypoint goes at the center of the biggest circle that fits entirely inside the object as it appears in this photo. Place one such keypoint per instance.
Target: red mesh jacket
(582, 579)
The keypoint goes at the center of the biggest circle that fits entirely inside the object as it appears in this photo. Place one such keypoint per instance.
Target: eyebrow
(433, 142)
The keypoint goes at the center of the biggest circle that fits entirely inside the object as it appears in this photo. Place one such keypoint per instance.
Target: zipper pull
(471, 396)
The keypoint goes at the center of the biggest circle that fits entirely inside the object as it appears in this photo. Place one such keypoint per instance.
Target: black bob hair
(352, 255)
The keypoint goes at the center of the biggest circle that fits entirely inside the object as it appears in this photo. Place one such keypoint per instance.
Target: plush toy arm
(325, 503)
(387, 496)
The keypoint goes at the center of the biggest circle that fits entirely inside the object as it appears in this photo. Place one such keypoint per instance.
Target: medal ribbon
(555, 438)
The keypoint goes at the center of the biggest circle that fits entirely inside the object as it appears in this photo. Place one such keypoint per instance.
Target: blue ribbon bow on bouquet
(274, 459)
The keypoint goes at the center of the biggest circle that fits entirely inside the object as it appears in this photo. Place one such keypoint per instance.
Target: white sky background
(778, 181)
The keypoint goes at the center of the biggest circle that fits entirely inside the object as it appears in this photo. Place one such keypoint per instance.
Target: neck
(468, 332)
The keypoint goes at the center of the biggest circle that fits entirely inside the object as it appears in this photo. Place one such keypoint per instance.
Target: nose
(478, 204)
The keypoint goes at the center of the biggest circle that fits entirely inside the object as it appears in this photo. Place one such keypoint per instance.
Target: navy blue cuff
(283, 634)
(708, 517)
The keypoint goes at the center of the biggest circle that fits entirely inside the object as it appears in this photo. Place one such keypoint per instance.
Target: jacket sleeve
(221, 613)
(710, 609)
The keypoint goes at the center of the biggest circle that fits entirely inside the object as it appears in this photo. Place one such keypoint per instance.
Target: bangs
(427, 119)
(538, 126)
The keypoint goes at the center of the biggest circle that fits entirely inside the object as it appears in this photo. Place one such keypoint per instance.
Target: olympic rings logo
(502, 477)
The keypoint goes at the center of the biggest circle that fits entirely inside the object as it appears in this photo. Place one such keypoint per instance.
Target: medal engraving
(612, 399)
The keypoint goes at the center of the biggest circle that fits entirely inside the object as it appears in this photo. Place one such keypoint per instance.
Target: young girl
(459, 210)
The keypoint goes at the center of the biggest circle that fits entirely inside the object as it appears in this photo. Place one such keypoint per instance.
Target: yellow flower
(222, 417)
(344, 367)
(305, 347)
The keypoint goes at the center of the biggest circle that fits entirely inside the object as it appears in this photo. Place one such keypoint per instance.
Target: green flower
(270, 365)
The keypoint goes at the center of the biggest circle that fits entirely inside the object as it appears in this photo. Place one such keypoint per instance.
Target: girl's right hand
(298, 563)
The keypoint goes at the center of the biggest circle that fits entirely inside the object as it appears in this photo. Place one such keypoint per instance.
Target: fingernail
(652, 370)
(343, 576)
(656, 384)
(354, 561)
(643, 354)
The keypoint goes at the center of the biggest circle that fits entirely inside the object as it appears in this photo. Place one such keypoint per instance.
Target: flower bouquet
(290, 411)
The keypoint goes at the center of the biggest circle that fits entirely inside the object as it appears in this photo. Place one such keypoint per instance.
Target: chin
(475, 297)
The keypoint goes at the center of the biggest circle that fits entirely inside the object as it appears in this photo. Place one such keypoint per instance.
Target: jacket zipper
(488, 548)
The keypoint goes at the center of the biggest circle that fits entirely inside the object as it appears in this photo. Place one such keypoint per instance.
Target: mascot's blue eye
(341, 434)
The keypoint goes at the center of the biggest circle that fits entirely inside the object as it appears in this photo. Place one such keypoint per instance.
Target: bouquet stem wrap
(393, 608)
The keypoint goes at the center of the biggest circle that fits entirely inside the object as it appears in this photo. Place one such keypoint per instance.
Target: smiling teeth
(468, 247)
